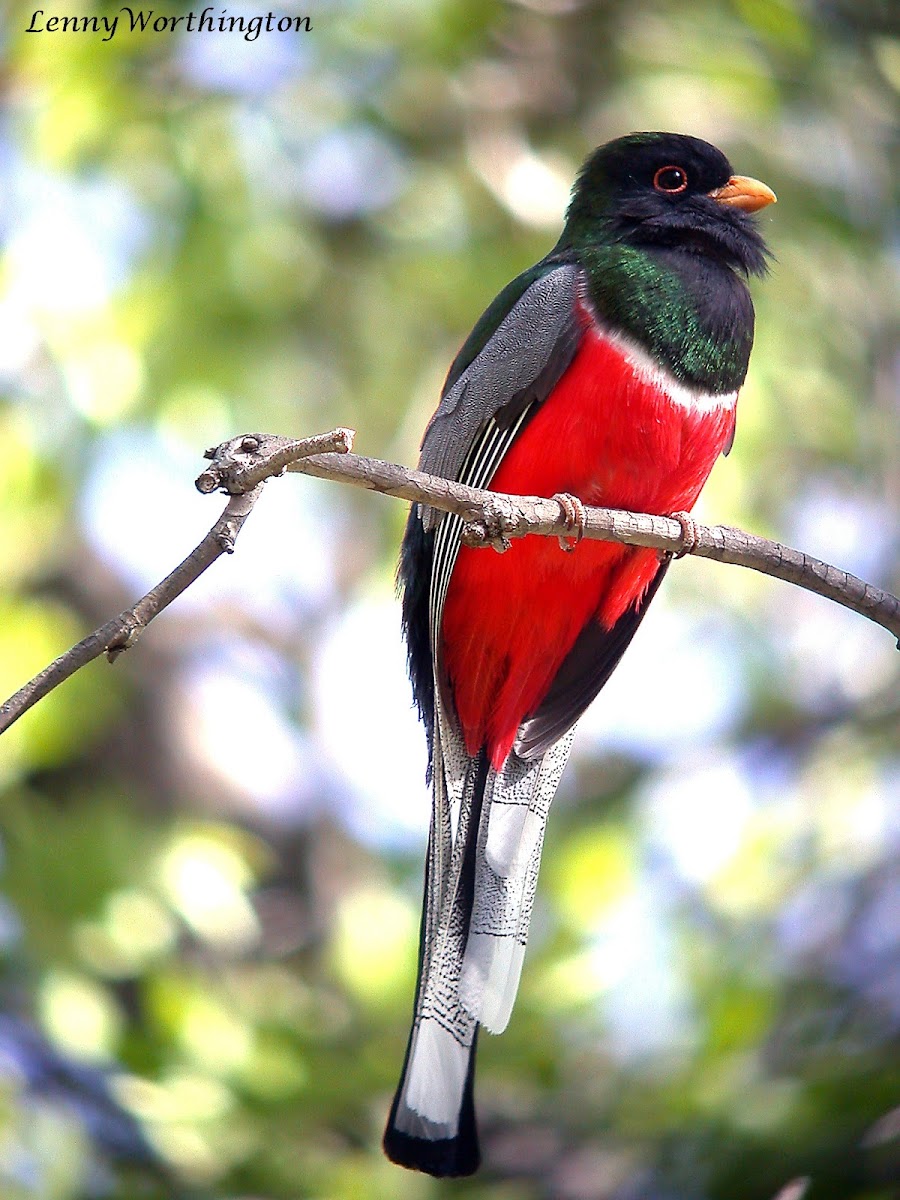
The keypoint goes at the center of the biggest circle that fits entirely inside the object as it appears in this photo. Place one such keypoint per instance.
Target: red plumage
(612, 434)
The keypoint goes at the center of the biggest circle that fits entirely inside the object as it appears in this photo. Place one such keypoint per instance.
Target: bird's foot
(690, 536)
(575, 518)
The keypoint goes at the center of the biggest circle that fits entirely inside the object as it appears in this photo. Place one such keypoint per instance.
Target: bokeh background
(212, 851)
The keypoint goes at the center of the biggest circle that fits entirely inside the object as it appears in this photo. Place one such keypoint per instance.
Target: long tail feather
(441, 1149)
(484, 854)
(432, 1121)
(514, 816)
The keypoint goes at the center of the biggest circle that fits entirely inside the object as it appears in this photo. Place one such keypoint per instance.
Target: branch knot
(493, 527)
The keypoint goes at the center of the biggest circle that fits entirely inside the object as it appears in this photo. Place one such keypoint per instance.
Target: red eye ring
(670, 180)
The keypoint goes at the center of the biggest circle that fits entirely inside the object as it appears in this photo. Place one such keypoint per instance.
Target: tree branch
(491, 517)
(241, 466)
(123, 631)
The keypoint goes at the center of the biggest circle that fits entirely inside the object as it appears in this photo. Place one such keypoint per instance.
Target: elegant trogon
(609, 371)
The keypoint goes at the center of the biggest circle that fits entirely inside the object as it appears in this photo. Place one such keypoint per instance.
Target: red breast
(618, 432)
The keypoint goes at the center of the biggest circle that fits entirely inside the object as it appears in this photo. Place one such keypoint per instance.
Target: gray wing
(480, 416)
(495, 383)
(517, 367)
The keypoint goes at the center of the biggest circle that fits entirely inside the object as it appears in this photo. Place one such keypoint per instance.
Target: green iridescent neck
(692, 315)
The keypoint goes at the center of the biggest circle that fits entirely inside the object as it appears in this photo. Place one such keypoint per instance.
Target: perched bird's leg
(575, 518)
(690, 536)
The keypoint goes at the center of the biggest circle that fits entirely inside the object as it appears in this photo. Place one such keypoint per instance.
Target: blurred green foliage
(202, 234)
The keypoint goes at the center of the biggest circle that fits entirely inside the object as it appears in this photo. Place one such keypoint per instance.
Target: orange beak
(744, 193)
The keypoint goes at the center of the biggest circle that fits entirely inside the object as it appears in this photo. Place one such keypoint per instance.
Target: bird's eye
(670, 180)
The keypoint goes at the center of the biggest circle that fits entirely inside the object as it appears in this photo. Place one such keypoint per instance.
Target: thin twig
(123, 631)
(241, 465)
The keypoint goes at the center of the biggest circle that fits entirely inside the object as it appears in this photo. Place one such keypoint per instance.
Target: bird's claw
(690, 535)
(575, 518)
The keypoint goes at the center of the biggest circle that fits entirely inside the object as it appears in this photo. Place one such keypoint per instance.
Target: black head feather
(616, 198)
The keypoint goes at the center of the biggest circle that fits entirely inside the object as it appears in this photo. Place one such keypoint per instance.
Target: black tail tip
(443, 1158)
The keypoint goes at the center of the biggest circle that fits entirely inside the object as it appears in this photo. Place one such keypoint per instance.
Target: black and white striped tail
(484, 853)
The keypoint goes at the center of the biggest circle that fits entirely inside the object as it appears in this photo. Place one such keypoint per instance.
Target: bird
(606, 374)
